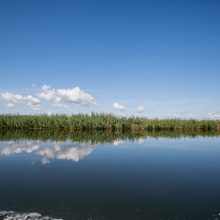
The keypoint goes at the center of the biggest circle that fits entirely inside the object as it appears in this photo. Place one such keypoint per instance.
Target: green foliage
(104, 122)
(96, 137)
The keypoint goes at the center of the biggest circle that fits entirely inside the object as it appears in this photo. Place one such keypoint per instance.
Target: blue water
(145, 179)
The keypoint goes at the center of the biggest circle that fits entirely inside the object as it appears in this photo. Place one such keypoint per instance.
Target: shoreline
(105, 122)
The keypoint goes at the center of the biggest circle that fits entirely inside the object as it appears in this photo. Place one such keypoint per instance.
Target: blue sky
(151, 58)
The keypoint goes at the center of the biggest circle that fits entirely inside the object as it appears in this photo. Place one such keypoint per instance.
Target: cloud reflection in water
(47, 151)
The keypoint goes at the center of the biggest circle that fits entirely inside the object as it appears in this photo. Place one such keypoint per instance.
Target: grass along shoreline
(104, 122)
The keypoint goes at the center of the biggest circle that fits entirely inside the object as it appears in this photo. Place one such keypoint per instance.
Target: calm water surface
(148, 178)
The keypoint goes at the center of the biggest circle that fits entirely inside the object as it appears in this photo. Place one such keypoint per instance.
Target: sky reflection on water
(152, 178)
(48, 151)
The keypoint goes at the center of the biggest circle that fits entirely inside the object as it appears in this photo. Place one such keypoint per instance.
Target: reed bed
(104, 122)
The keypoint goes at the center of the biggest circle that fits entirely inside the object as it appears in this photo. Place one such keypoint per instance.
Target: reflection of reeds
(105, 122)
(96, 136)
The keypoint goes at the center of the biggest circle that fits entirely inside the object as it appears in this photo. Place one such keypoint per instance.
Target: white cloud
(10, 105)
(15, 99)
(140, 109)
(119, 106)
(61, 105)
(214, 115)
(63, 97)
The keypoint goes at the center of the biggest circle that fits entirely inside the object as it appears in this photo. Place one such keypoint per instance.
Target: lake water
(143, 178)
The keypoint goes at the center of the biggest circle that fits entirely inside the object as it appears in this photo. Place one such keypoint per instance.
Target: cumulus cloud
(140, 109)
(63, 97)
(119, 106)
(15, 99)
(57, 97)
(214, 115)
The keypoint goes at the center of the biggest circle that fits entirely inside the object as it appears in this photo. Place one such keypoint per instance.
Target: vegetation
(96, 136)
(104, 122)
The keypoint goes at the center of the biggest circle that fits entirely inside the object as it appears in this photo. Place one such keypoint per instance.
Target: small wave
(23, 216)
